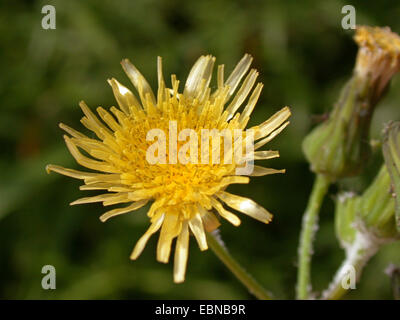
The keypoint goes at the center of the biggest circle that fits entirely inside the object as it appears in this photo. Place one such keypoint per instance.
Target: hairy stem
(216, 245)
(308, 229)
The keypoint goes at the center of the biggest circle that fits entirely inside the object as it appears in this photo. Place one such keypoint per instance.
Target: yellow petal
(252, 102)
(220, 76)
(119, 188)
(196, 225)
(92, 119)
(238, 73)
(245, 206)
(199, 76)
(181, 254)
(87, 162)
(155, 206)
(232, 218)
(226, 181)
(72, 131)
(137, 79)
(259, 171)
(102, 186)
(69, 172)
(242, 94)
(108, 119)
(161, 84)
(264, 155)
(97, 152)
(116, 212)
(125, 98)
(122, 198)
(91, 144)
(170, 229)
(272, 123)
(143, 240)
(111, 178)
(267, 139)
(99, 198)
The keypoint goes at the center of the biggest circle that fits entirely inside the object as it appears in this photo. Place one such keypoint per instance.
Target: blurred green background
(304, 57)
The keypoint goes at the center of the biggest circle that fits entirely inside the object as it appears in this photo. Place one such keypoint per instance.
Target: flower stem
(309, 227)
(218, 247)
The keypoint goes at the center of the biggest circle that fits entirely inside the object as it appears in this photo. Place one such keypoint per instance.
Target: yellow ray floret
(186, 197)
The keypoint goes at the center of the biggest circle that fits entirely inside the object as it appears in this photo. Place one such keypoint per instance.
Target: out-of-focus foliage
(304, 57)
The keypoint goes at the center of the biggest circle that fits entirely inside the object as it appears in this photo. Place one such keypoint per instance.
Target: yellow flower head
(378, 55)
(187, 197)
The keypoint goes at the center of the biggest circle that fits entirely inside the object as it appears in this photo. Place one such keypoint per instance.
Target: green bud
(339, 147)
(391, 153)
(371, 214)
(345, 213)
(376, 208)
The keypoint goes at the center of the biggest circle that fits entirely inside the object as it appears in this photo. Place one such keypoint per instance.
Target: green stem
(309, 227)
(240, 273)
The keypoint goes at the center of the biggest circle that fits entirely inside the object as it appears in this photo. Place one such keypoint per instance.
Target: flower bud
(371, 215)
(376, 208)
(391, 153)
(344, 218)
(339, 147)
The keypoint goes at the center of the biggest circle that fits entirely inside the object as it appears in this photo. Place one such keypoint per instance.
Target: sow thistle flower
(339, 147)
(185, 198)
